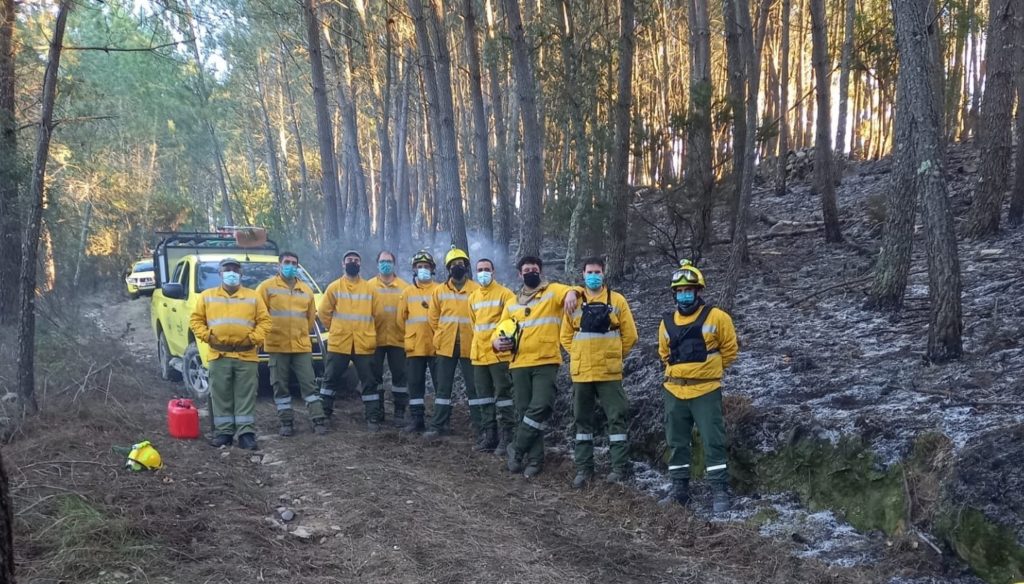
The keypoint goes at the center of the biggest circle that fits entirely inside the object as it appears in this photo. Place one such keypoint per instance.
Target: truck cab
(185, 265)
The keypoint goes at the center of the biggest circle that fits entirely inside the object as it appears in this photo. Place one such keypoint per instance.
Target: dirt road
(367, 508)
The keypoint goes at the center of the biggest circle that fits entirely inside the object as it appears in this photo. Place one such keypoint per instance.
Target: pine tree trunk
(994, 132)
(401, 157)
(620, 162)
(10, 212)
(581, 206)
(324, 130)
(844, 86)
(502, 212)
(276, 184)
(532, 237)
(6, 527)
(481, 199)
(735, 98)
(780, 185)
(824, 182)
(37, 197)
(700, 178)
(945, 324)
(1016, 215)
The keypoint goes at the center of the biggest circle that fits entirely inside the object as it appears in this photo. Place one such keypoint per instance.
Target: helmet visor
(684, 278)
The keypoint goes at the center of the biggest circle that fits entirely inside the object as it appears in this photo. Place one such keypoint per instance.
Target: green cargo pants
(616, 407)
(282, 367)
(233, 385)
(534, 389)
(416, 373)
(335, 368)
(680, 416)
(443, 391)
(396, 364)
(494, 386)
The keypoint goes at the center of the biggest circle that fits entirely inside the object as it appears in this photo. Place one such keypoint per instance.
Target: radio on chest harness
(686, 342)
(596, 317)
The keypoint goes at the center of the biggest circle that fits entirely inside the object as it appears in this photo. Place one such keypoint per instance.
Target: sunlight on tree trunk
(620, 161)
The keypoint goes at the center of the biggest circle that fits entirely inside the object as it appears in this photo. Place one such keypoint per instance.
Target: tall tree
(37, 198)
(945, 325)
(700, 177)
(480, 200)
(620, 150)
(735, 96)
(502, 211)
(996, 107)
(845, 62)
(782, 162)
(6, 528)
(1016, 215)
(824, 181)
(10, 226)
(571, 64)
(324, 130)
(531, 237)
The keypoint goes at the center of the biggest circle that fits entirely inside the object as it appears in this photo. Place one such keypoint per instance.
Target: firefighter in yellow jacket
(697, 342)
(490, 369)
(233, 321)
(598, 336)
(347, 310)
(537, 312)
(390, 342)
(453, 339)
(413, 321)
(293, 312)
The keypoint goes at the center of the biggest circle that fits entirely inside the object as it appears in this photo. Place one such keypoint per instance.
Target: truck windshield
(252, 274)
(144, 266)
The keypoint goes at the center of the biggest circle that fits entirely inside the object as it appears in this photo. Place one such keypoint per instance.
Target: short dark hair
(592, 260)
(486, 260)
(384, 251)
(287, 254)
(529, 260)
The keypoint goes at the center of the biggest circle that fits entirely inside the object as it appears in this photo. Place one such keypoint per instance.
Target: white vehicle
(141, 279)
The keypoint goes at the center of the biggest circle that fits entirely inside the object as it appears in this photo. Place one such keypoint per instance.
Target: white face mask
(484, 278)
(423, 274)
(231, 278)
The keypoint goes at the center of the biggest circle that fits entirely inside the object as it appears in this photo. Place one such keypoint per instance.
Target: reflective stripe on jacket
(538, 340)
(388, 298)
(346, 311)
(690, 380)
(293, 312)
(449, 318)
(413, 318)
(485, 307)
(233, 319)
(598, 356)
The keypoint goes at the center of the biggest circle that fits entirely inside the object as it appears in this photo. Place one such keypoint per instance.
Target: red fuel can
(182, 419)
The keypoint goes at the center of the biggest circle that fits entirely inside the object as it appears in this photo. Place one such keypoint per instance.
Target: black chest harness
(596, 317)
(686, 342)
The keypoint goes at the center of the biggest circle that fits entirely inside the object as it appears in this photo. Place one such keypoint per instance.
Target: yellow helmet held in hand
(455, 254)
(144, 457)
(687, 275)
(510, 329)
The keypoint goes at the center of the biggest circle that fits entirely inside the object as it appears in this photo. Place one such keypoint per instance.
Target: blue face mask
(231, 278)
(686, 297)
(594, 281)
(484, 278)
(386, 267)
(423, 274)
(289, 271)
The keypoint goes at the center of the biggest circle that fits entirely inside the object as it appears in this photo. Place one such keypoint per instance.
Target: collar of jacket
(524, 297)
(392, 284)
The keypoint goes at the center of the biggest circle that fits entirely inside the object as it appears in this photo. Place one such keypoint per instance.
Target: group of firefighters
(506, 344)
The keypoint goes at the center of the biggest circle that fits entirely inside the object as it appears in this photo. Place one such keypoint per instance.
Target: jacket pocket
(613, 361)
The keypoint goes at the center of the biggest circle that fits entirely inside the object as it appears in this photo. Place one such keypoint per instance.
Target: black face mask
(352, 269)
(458, 272)
(531, 279)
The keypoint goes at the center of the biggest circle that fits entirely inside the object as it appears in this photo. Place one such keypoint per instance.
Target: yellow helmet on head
(455, 254)
(423, 256)
(687, 275)
(144, 457)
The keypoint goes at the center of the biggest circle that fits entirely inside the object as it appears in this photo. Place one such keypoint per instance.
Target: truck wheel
(197, 378)
(163, 355)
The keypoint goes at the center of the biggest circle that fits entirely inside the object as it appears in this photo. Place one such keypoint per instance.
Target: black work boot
(286, 429)
(583, 477)
(416, 424)
(680, 493)
(720, 499)
(320, 426)
(222, 440)
(480, 444)
(399, 418)
(504, 437)
(247, 441)
(515, 465)
(490, 439)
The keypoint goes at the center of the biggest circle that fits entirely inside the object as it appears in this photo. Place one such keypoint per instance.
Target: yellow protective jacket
(386, 309)
(346, 311)
(293, 312)
(486, 304)
(449, 318)
(597, 356)
(690, 380)
(414, 318)
(539, 334)
(233, 319)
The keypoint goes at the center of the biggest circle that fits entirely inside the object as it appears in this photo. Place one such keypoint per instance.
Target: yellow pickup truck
(185, 265)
